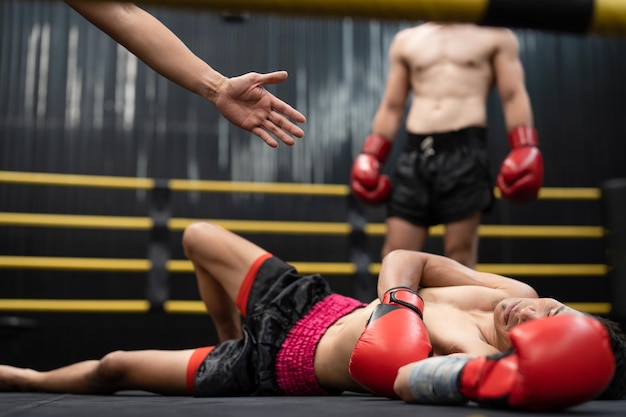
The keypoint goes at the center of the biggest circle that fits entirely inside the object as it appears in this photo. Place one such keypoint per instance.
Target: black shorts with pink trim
(287, 315)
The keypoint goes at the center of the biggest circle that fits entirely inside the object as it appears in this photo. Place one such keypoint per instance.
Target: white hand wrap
(434, 380)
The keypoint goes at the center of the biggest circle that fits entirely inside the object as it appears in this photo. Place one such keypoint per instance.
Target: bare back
(450, 69)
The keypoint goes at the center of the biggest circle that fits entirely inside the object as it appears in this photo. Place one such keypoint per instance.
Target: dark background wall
(73, 101)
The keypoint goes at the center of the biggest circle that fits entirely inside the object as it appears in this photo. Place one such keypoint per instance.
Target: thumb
(273, 77)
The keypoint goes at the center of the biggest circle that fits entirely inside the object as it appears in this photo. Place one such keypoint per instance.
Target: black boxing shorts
(442, 177)
(285, 315)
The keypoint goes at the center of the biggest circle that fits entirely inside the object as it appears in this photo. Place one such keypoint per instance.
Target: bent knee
(195, 233)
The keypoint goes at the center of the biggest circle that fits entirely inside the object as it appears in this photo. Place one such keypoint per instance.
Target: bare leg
(161, 372)
(221, 260)
(461, 240)
(403, 235)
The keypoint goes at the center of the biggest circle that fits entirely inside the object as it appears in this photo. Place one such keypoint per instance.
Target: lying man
(300, 338)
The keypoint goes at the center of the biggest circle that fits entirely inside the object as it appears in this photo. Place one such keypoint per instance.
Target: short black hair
(617, 387)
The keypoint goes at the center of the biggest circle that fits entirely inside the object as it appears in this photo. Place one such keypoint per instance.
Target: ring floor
(138, 403)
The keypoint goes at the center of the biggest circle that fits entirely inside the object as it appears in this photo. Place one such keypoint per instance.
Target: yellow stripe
(198, 307)
(337, 268)
(563, 193)
(34, 178)
(545, 270)
(609, 17)
(283, 227)
(444, 10)
(260, 187)
(591, 308)
(564, 270)
(171, 306)
(183, 306)
(74, 220)
(515, 231)
(334, 268)
(591, 232)
(77, 264)
(86, 306)
(179, 266)
(556, 193)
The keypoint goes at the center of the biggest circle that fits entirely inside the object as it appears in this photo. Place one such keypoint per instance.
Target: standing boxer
(442, 175)
(241, 100)
(300, 338)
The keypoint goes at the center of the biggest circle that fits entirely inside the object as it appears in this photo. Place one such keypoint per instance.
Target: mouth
(508, 310)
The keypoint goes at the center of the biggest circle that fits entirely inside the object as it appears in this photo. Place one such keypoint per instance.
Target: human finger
(265, 136)
(284, 108)
(271, 125)
(272, 77)
(285, 125)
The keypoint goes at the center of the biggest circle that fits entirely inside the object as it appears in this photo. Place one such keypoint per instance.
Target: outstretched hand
(244, 102)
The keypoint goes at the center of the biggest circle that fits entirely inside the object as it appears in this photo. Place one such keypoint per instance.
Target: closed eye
(557, 311)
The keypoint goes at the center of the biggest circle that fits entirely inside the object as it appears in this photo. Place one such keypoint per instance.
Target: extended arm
(391, 108)
(366, 178)
(242, 100)
(521, 173)
(509, 74)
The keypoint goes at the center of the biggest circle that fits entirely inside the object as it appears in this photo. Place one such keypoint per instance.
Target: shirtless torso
(453, 328)
(450, 70)
(466, 312)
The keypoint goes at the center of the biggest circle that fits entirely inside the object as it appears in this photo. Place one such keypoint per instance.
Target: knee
(112, 368)
(196, 234)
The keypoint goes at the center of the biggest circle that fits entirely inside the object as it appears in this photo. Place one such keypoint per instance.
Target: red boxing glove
(366, 180)
(555, 363)
(394, 336)
(521, 173)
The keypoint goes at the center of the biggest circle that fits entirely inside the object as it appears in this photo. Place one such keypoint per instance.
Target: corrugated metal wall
(73, 101)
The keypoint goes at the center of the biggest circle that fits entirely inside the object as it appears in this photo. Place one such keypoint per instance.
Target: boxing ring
(160, 268)
(143, 404)
(163, 268)
(359, 270)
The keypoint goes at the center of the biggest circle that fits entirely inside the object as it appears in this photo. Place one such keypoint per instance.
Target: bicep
(508, 69)
(397, 85)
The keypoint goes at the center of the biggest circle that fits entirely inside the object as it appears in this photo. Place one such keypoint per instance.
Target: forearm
(517, 109)
(153, 43)
(387, 121)
(415, 269)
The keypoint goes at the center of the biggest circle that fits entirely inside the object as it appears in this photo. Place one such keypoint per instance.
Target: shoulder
(408, 35)
(505, 38)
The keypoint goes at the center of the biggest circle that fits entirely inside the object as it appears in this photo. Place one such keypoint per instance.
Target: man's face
(512, 311)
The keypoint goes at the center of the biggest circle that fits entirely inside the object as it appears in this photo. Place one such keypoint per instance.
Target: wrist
(523, 135)
(406, 297)
(211, 84)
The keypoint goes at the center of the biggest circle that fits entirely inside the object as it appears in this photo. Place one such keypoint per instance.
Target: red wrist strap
(377, 146)
(404, 296)
(524, 135)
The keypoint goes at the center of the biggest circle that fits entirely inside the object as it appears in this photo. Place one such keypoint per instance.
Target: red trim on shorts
(246, 285)
(195, 360)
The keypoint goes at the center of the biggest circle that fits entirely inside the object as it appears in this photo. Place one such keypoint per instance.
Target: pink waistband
(294, 362)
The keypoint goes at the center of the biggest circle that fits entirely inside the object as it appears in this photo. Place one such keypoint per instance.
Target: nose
(528, 313)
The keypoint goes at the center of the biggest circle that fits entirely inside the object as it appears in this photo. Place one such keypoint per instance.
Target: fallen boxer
(434, 319)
